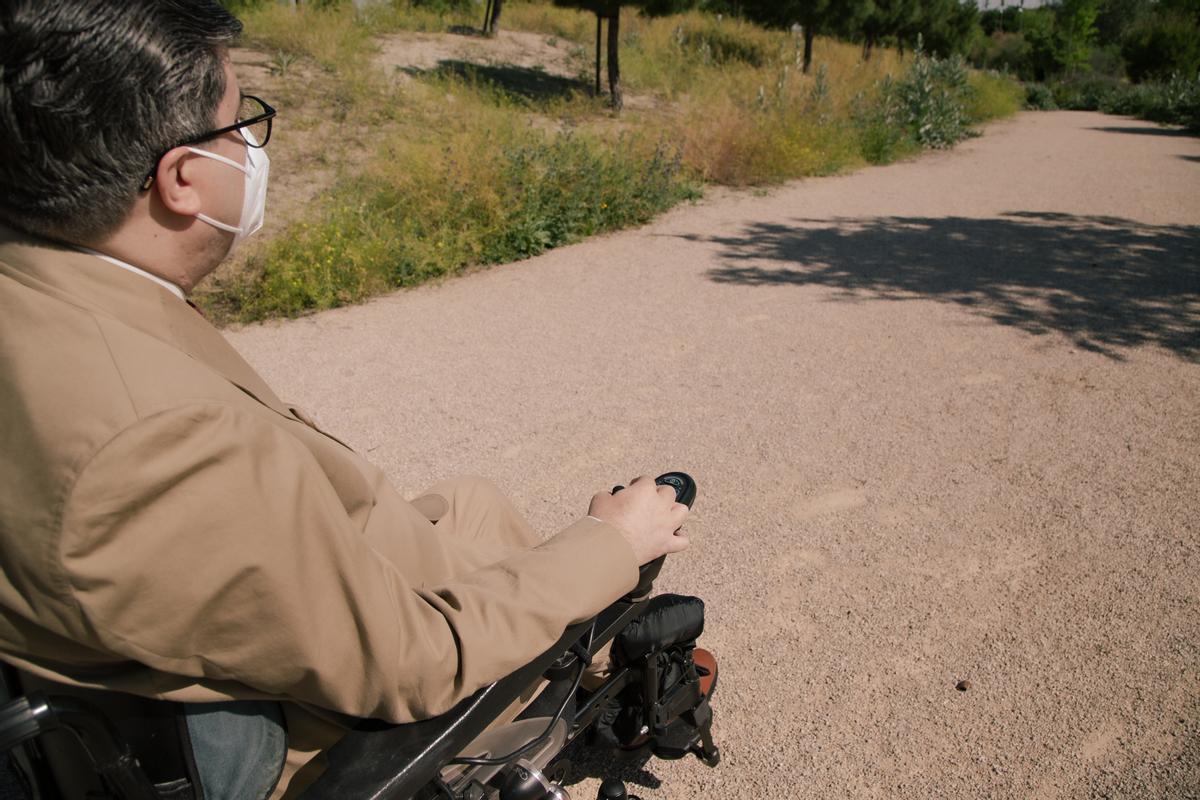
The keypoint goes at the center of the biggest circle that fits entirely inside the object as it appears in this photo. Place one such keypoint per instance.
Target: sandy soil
(524, 63)
(944, 418)
(428, 51)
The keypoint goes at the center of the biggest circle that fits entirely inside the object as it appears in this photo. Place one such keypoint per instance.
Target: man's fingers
(649, 515)
(679, 542)
(644, 482)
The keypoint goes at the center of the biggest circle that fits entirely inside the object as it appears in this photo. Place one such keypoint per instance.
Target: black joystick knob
(685, 493)
(612, 789)
(682, 483)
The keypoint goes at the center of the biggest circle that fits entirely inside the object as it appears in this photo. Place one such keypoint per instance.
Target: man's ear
(174, 182)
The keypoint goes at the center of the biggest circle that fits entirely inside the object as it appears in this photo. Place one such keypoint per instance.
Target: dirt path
(945, 418)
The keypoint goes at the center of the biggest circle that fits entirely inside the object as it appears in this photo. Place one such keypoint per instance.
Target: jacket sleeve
(208, 542)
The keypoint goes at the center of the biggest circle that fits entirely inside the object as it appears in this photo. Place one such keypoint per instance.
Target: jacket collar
(90, 283)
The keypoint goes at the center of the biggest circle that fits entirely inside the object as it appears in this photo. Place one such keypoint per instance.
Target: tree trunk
(599, 48)
(808, 43)
(494, 24)
(614, 59)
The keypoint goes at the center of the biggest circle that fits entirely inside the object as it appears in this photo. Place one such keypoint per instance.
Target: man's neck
(167, 247)
(170, 287)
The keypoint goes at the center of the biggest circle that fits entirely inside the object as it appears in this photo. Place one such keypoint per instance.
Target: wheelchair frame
(380, 761)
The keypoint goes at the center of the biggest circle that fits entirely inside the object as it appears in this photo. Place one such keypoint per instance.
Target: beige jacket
(170, 528)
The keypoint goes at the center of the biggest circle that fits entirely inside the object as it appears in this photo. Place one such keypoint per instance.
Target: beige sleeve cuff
(598, 564)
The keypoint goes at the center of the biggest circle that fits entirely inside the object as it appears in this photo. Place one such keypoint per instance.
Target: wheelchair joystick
(685, 493)
(683, 484)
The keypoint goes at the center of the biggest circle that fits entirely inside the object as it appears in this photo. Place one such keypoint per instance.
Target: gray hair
(92, 93)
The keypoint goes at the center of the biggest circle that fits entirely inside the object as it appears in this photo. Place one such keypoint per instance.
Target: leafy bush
(1175, 102)
(1008, 52)
(882, 136)
(1039, 97)
(930, 100)
(931, 105)
(443, 6)
(714, 45)
(1162, 45)
(1106, 60)
(440, 210)
(992, 95)
(1085, 92)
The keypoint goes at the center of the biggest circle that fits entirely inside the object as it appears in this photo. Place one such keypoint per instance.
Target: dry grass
(414, 178)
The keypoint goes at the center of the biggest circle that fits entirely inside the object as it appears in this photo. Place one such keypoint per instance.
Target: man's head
(92, 93)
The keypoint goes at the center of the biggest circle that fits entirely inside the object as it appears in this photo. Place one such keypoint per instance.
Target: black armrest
(377, 761)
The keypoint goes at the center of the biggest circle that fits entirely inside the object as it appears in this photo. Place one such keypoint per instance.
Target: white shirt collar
(170, 287)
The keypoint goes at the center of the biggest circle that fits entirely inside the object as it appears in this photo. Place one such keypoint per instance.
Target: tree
(610, 11)
(887, 19)
(1163, 44)
(491, 18)
(813, 16)
(1118, 17)
(1075, 30)
(1038, 30)
(946, 26)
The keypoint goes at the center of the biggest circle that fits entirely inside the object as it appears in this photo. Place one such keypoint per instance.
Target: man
(168, 526)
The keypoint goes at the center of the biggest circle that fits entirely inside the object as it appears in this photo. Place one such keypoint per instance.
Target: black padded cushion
(670, 619)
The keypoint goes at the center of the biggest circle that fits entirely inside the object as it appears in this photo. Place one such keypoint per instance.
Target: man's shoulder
(56, 369)
(72, 379)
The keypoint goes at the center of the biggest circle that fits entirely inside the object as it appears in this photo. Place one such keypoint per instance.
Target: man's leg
(474, 509)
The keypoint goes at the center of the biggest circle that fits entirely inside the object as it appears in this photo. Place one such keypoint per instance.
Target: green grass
(462, 172)
(993, 96)
(1174, 102)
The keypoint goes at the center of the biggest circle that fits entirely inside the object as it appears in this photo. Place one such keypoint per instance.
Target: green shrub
(992, 96)
(931, 105)
(1161, 45)
(1008, 52)
(438, 213)
(443, 6)
(882, 136)
(930, 100)
(714, 44)
(1085, 92)
(1107, 60)
(1175, 101)
(1039, 97)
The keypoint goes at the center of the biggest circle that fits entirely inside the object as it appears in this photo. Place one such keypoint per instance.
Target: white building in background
(1000, 5)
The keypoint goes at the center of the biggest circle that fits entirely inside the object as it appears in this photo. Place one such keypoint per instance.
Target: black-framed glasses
(255, 115)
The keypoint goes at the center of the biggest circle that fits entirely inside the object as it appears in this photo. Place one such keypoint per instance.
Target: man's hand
(648, 516)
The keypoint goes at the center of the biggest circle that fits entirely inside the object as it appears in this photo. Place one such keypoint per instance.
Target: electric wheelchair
(654, 700)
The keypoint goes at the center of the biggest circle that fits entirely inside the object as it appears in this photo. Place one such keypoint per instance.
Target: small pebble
(962, 686)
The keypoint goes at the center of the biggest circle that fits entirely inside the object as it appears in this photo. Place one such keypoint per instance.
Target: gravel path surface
(944, 418)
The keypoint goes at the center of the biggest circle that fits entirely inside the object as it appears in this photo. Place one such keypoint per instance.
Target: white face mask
(254, 202)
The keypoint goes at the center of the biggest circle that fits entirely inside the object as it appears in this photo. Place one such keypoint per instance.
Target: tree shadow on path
(1107, 283)
(1147, 131)
(533, 84)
